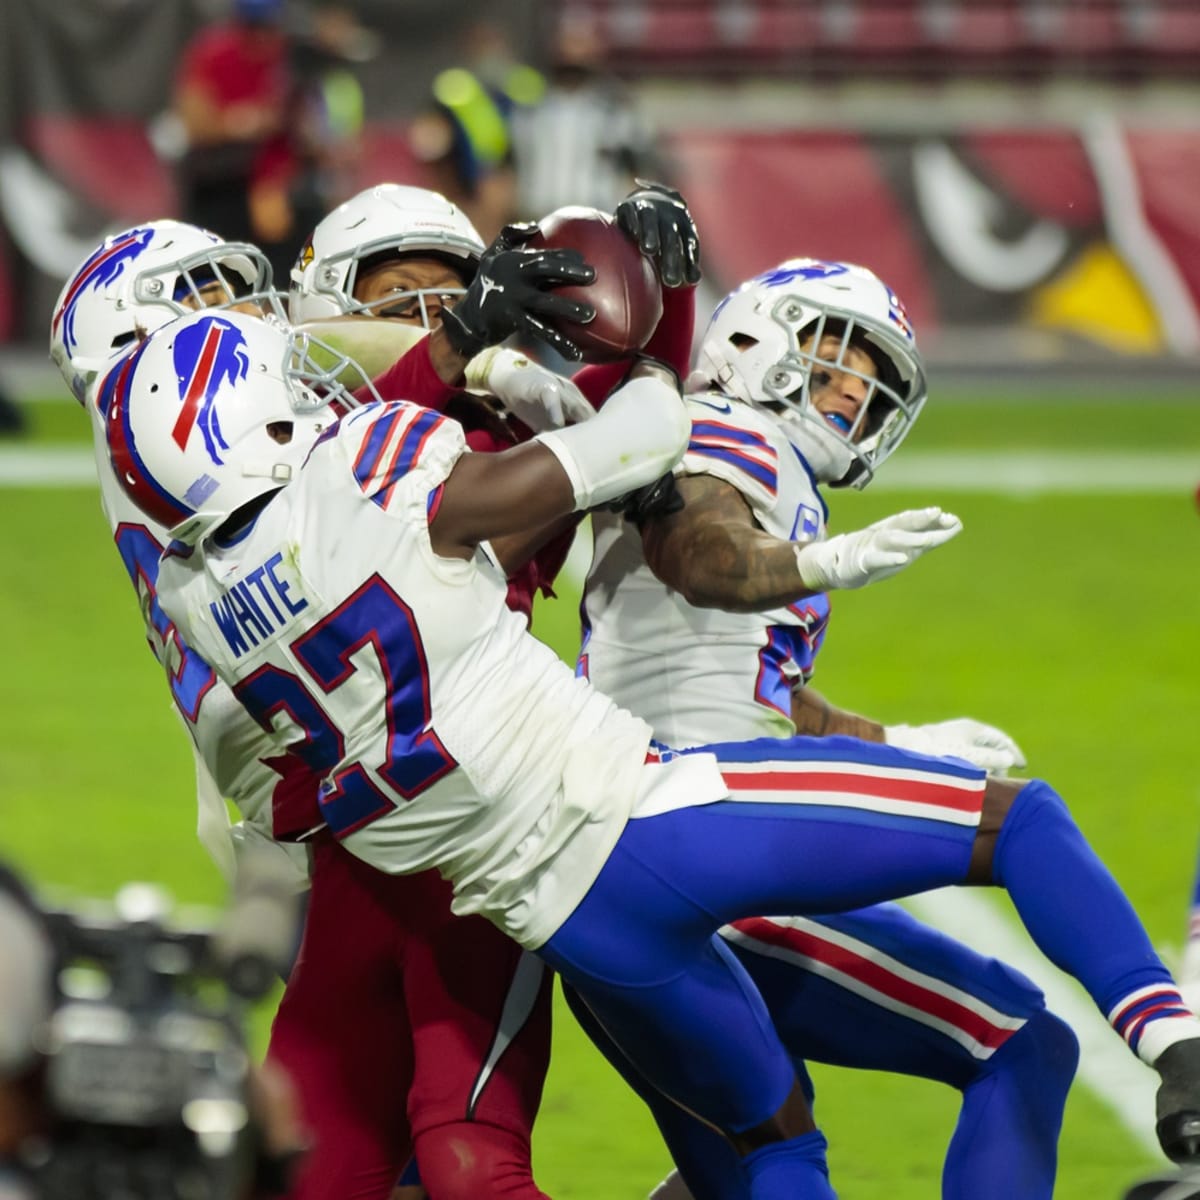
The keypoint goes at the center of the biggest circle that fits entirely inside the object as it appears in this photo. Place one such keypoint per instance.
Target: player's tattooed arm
(815, 716)
(716, 556)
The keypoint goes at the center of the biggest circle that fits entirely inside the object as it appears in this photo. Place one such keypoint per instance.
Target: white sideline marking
(47, 466)
(1106, 1065)
(1034, 472)
(1003, 472)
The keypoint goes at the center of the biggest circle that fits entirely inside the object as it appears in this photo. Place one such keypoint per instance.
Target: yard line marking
(1000, 472)
(1115, 1076)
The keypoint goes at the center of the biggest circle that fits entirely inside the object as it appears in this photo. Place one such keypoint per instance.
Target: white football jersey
(447, 737)
(229, 743)
(700, 675)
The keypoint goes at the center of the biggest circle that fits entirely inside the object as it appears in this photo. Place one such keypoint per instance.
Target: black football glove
(509, 294)
(657, 218)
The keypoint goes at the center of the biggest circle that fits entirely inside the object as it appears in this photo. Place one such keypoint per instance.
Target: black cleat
(1184, 1186)
(1179, 1136)
(1178, 1101)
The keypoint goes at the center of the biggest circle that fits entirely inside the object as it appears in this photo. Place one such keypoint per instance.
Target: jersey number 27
(413, 758)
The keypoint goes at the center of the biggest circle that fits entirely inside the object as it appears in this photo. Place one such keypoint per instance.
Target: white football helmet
(761, 343)
(140, 279)
(194, 416)
(385, 220)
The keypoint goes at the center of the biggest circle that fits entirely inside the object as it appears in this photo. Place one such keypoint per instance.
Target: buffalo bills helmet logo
(808, 268)
(107, 264)
(207, 355)
(790, 272)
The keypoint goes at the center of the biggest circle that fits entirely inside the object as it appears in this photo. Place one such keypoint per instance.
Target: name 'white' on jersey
(702, 675)
(229, 742)
(446, 736)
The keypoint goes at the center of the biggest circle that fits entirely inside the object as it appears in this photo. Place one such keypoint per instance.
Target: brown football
(625, 293)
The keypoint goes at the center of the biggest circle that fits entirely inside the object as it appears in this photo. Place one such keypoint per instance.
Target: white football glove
(852, 560)
(534, 395)
(984, 745)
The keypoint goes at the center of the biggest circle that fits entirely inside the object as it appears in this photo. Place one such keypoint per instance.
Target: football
(625, 293)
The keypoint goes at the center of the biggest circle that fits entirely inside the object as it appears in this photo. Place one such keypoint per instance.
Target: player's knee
(470, 1159)
(1037, 1064)
(1013, 808)
(1053, 1047)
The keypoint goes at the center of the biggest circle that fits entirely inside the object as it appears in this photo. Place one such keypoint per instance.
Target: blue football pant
(812, 826)
(877, 989)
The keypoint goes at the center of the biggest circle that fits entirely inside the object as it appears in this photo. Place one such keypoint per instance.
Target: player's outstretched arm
(715, 555)
(641, 433)
(852, 560)
(814, 716)
(984, 745)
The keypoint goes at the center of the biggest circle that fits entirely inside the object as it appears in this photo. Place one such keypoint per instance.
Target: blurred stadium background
(1024, 174)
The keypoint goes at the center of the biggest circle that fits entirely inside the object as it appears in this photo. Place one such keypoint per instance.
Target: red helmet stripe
(196, 388)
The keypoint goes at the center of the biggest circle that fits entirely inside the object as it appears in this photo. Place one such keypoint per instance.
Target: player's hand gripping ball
(625, 294)
(658, 219)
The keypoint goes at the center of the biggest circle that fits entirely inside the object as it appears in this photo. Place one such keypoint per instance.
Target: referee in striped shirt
(584, 142)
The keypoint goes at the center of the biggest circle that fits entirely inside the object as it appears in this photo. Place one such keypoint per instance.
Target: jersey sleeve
(389, 444)
(672, 338)
(727, 443)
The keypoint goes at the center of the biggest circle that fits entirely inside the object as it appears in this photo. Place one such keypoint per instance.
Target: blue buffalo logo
(789, 272)
(208, 354)
(107, 264)
(809, 268)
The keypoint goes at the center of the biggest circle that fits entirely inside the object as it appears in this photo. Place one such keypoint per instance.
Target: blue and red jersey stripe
(744, 449)
(392, 448)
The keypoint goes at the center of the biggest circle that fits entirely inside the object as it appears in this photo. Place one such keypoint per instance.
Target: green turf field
(1068, 619)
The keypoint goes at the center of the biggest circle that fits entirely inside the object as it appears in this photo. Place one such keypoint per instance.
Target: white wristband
(638, 436)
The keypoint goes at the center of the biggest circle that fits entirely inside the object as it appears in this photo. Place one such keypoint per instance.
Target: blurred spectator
(585, 141)
(301, 178)
(465, 137)
(232, 92)
(271, 116)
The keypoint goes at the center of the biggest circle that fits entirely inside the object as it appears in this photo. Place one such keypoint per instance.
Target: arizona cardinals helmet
(762, 343)
(142, 278)
(208, 413)
(387, 219)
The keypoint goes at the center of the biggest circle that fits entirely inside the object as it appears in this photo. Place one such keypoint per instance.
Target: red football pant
(406, 1028)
